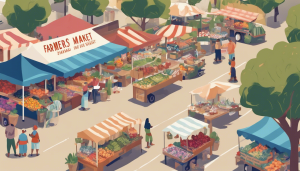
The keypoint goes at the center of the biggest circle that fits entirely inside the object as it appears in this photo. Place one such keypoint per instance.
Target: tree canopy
(146, 9)
(269, 80)
(292, 32)
(26, 15)
(193, 2)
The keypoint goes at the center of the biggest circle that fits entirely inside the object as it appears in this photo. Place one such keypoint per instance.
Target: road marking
(56, 144)
(220, 156)
(246, 113)
(148, 162)
(226, 73)
(170, 118)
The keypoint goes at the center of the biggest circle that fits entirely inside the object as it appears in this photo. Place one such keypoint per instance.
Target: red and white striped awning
(12, 39)
(171, 31)
(237, 14)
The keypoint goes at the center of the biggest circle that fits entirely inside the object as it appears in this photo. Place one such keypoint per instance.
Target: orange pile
(38, 92)
(31, 104)
(259, 148)
(182, 68)
(119, 62)
(275, 165)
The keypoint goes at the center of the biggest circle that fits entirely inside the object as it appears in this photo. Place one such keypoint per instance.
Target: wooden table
(210, 118)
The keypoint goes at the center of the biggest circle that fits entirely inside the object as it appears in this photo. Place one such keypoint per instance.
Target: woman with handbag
(148, 133)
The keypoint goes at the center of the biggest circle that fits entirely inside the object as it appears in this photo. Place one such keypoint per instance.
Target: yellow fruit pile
(31, 104)
(105, 153)
(119, 62)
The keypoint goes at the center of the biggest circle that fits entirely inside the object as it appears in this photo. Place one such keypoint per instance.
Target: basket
(169, 136)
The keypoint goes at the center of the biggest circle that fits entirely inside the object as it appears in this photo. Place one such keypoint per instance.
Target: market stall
(270, 149)
(191, 66)
(193, 141)
(13, 42)
(210, 105)
(240, 24)
(183, 13)
(143, 89)
(107, 141)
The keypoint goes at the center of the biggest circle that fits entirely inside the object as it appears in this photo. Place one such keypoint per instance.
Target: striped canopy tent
(170, 31)
(237, 14)
(68, 55)
(109, 129)
(185, 127)
(13, 39)
(132, 39)
(184, 10)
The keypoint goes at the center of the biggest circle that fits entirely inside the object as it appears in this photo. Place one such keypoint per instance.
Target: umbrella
(210, 91)
(184, 10)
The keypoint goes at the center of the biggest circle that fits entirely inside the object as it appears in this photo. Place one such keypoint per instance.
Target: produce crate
(198, 150)
(254, 161)
(176, 158)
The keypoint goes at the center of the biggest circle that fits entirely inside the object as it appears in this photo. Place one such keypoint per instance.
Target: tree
(271, 87)
(26, 15)
(193, 2)
(292, 32)
(65, 5)
(218, 5)
(90, 7)
(146, 9)
(209, 7)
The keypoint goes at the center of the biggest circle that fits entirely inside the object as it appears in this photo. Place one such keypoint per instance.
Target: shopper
(84, 98)
(96, 87)
(22, 142)
(218, 47)
(10, 135)
(35, 141)
(148, 133)
(231, 48)
(232, 71)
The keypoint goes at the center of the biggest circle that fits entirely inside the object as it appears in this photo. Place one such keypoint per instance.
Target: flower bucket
(13, 119)
(73, 167)
(216, 146)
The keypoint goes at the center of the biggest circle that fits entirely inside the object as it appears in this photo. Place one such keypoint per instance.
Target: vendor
(84, 98)
(95, 84)
(148, 133)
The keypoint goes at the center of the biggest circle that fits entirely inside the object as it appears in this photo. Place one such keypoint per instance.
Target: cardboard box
(141, 74)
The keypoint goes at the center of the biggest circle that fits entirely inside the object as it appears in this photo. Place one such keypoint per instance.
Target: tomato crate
(254, 160)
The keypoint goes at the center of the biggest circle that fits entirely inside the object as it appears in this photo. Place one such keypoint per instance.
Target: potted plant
(163, 56)
(41, 115)
(108, 87)
(13, 117)
(72, 162)
(215, 136)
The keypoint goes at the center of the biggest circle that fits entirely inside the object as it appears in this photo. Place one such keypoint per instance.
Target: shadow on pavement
(159, 94)
(28, 123)
(222, 122)
(12, 156)
(171, 163)
(33, 155)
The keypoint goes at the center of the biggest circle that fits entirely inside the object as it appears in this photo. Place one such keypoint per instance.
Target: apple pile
(197, 140)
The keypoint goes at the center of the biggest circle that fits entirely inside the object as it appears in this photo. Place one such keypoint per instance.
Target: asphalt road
(171, 104)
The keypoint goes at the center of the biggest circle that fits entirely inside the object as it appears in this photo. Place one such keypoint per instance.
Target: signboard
(63, 47)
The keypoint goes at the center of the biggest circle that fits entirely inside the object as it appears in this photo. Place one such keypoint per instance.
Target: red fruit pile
(196, 141)
(7, 87)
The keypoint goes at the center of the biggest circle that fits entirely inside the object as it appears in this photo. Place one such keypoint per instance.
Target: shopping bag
(17, 146)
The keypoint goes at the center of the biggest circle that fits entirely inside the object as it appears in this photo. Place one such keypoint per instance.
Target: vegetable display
(18, 94)
(177, 152)
(31, 104)
(56, 96)
(151, 81)
(126, 67)
(69, 93)
(257, 151)
(227, 104)
(197, 141)
(7, 87)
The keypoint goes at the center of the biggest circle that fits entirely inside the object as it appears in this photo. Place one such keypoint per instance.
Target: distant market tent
(170, 31)
(184, 10)
(63, 26)
(237, 14)
(68, 55)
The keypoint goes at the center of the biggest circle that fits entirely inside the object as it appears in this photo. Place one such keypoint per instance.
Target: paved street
(171, 104)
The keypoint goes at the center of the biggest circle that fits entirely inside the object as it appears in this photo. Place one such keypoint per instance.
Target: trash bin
(4, 119)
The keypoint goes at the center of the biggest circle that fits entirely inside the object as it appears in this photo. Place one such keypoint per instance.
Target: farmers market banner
(67, 55)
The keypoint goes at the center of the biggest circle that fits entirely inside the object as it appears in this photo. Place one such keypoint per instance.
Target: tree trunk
(65, 7)
(143, 24)
(276, 13)
(87, 18)
(294, 152)
(92, 21)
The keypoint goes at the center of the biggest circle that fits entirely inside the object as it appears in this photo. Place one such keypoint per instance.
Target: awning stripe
(109, 127)
(119, 121)
(116, 125)
(129, 38)
(95, 133)
(102, 130)
(99, 132)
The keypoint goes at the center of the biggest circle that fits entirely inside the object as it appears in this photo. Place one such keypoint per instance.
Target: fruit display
(197, 141)
(69, 93)
(75, 88)
(38, 92)
(92, 157)
(80, 78)
(7, 87)
(132, 132)
(105, 153)
(178, 152)
(7, 105)
(188, 57)
(274, 165)
(257, 151)
(118, 62)
(182, 68)
(18, 94)
(240, 25)
(31, 104)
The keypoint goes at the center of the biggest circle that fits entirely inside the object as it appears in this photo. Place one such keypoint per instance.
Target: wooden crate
(254, 160)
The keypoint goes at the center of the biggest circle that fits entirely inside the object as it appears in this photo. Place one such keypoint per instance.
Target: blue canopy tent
(21, 71)
(267, 132)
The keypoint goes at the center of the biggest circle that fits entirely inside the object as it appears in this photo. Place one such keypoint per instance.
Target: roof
(267, 132)
(13, 39)
(132, 39)
(237, 14)
(171, 31)
(185, 127)
(109, 129)
(67, 55)
(63, 26)
(184, 10)
(21, 71)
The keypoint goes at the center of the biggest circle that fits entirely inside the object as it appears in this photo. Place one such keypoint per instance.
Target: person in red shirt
(35, 142)
(95, 84)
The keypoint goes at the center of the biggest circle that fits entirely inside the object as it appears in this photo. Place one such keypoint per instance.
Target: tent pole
(139, 129)
(23, 104)
(54, 84)
(187, 144)
(131, 67)
(45, 86)
(164, 139)
(100, 69)
(239, 142)
(97, 153)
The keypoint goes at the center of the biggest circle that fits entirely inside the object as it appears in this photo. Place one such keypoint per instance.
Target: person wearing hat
(22, 142)
(35, 142)
(84, 98)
